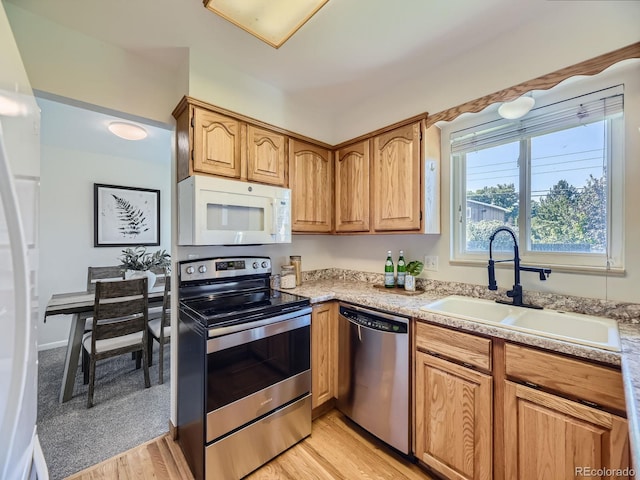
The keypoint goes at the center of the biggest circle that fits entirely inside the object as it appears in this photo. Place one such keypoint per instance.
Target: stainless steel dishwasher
(373, 372)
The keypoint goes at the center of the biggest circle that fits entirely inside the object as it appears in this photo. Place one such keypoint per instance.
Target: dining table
(80, 306)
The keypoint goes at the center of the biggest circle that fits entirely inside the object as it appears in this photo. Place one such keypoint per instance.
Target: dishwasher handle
(375, 320)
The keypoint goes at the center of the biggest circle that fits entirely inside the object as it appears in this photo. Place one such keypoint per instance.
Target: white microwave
(219, 211)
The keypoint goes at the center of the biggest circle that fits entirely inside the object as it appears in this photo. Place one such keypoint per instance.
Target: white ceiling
(79, 128)
(349, 51)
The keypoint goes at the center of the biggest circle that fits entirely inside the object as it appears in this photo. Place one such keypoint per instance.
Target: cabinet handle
(532, 385)
(590, 404)
(468, 365)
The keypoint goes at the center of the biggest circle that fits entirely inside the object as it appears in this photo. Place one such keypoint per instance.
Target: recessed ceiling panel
(272, 21)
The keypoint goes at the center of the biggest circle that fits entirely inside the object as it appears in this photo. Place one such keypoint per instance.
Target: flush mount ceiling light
(128, 131)
(272, 21)
(516, 108)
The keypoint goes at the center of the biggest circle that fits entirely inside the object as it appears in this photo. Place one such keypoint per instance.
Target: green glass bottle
(388, 272)
(402, 270)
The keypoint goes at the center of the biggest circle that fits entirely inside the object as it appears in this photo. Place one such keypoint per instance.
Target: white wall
(226, 87)
(575, 32)
(69, 64)
(69, 168)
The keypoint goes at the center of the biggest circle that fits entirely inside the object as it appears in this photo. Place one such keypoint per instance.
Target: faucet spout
(516, 292)
(544, 272)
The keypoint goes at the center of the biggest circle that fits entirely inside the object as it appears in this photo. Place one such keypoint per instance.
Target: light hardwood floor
(336, 450)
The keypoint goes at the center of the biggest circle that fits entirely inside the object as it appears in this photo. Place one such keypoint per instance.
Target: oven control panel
(224, 267)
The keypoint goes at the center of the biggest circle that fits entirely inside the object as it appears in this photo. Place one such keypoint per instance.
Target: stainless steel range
(244, 377)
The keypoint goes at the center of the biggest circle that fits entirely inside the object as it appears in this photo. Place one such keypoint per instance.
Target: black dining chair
(120, 325)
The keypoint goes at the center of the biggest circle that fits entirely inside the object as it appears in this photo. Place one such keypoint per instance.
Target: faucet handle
(492, 276)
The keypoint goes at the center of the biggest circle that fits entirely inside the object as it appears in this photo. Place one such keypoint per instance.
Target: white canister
(288, 276)
(410, 283)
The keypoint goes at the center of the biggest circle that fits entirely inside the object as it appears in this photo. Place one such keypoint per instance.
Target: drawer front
(468, 349)
(575, 378)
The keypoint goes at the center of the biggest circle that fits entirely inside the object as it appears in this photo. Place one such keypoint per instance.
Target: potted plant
(138, 262)
(414, 269)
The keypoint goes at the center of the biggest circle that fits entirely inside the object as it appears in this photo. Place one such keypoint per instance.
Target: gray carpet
(124, 413)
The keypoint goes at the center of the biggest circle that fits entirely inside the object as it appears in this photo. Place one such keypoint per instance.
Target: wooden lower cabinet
(323, 353)
(454, 425)
(548, 416)
(547, 436)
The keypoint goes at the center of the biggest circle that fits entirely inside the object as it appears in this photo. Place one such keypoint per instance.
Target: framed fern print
(125, 216)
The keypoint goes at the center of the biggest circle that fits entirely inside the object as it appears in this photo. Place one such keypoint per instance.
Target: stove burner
(224, 310)
(223, 296)
(224, 304)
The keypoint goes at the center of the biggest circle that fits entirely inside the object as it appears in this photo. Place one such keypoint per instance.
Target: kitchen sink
(476, 309)
(569, 327)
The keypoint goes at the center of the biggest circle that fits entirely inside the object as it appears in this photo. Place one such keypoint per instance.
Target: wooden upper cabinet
(352, 188)
(216, 144)
(266, 156)
(311, 183)
(396, 180)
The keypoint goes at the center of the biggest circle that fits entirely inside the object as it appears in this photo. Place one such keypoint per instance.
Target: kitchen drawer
(574, 378)
(470, 350)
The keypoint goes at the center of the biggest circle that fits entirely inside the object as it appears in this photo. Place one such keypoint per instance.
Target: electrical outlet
(431, 263)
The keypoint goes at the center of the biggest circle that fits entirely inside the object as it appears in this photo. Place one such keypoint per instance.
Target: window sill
(583, 270)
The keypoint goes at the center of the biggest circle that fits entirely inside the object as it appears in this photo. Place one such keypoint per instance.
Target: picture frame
(125, 216)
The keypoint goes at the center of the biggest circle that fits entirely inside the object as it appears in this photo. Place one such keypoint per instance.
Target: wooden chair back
(166, 302)
(96, 274)
(120, 308)
(162, 334)
(162, 274)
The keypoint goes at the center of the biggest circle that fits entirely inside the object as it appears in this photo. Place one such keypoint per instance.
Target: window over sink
(554, 176)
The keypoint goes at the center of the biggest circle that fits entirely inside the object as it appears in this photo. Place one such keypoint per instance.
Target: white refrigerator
(20, 453)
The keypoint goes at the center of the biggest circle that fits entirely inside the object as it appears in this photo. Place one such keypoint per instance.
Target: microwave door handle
(274, 217)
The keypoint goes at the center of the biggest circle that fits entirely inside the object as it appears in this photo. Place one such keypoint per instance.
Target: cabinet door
(453, 424)
(550, 437)
(266, 156)
(323, 352)
(396, 179)
(311, 183)
(216, 144)
(352, 188)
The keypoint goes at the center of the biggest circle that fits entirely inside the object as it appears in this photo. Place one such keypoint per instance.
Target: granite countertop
(362, 292)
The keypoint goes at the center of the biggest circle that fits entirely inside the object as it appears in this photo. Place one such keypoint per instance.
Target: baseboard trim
(52, 345)
(324, 408)
(173, 431)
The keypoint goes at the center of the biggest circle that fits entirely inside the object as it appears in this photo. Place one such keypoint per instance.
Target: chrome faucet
(516, 292)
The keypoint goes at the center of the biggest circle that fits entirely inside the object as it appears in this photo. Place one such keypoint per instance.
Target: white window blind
(585, 109)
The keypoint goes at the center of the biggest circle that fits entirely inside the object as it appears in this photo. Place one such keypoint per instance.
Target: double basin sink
(569, 327)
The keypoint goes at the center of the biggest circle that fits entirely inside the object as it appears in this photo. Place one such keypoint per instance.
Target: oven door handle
(257, 333)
